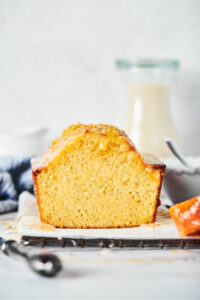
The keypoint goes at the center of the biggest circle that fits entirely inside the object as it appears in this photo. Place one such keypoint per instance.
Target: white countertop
(106, 274)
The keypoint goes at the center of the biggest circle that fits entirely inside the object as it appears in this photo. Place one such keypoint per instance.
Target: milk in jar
(147, 117)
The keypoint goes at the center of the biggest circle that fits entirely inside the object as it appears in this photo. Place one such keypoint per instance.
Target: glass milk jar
(148, 119)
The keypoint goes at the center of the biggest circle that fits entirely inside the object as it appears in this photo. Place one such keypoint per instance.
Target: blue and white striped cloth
(15, 177)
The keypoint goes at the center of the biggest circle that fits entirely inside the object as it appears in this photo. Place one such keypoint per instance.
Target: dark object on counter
(136, 244)
(44, 264)
(15, 177)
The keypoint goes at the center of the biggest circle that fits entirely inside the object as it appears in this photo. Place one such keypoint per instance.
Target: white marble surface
(106, 274)
(102, 275)
(57, 59)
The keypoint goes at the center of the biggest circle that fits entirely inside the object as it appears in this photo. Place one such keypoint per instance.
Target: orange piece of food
(186, 216)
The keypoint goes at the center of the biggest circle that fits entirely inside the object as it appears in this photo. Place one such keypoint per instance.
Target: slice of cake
(186, 216)
(93, 177)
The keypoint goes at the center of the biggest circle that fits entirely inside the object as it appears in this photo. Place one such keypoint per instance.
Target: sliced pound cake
(93, 177)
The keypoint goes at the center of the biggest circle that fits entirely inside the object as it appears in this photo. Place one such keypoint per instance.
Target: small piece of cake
(186, 216)
(93, 177)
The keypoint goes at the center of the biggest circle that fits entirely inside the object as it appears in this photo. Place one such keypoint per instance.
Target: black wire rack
(187, 243)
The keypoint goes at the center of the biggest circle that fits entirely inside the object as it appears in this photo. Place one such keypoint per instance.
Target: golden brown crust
(93, 227)
(34, 176)
(162, 175)
(77, 131)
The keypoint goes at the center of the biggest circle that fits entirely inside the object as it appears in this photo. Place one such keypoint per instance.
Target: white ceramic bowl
(27, 142)
(182, 183)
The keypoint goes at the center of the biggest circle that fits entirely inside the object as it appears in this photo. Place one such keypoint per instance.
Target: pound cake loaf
(93, 177)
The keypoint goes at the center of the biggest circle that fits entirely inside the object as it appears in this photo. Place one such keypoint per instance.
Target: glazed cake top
(76, 131)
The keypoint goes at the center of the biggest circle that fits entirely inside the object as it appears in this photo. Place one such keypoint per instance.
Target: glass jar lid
(148, 63)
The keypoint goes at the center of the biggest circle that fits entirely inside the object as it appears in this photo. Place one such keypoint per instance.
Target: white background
(57, 59)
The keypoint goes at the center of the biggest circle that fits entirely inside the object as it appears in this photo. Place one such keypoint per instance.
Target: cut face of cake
(93, 177)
